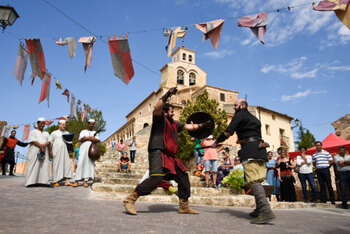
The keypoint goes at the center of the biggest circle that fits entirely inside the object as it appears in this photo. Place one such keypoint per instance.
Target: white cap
(210, 137)
(61, 121)
(41, 119)
(91, 121)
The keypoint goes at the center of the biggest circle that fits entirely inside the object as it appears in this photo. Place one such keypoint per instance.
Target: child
(124, 163)
(200, 169)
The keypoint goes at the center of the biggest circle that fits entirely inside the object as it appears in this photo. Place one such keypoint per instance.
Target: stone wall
(342, 127)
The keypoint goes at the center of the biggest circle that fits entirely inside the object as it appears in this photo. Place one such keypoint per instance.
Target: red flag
(66, 92)
(48, 122)
(36, 57)
(121, 58)
(82, 114)
(26, 132)
(45, 88)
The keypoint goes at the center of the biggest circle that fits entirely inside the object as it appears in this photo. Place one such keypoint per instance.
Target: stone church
(191, 81)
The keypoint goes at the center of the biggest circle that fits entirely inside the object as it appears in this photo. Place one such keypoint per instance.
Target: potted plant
(235, 180)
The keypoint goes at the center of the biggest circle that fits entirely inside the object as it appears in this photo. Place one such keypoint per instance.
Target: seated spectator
(228, 165)
(124, 163)
(238, 164)
(199, 169)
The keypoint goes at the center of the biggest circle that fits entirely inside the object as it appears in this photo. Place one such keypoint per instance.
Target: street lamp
(8, 16)
(296, 122)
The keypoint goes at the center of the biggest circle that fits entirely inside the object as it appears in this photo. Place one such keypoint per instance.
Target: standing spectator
(124, 163)
(132, 148)
(113, 144)
(86, 167)
(121, 148)
(210, 160)
(304, 161)
(38, 171)
(272, 174)
(8, 149)
(322, 160)
(61, 164)
(343, 165)
(76, 156)
(286, 178)
(199, 153)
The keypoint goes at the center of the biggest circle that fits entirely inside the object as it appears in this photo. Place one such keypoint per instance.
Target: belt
(248, 139)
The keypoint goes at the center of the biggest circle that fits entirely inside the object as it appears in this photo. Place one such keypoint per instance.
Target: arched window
(180, 77)
(190, 58)
(192, 78)
(183, 56)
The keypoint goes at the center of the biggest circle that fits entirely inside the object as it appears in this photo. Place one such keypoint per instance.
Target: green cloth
(76, 152)
(198, 145)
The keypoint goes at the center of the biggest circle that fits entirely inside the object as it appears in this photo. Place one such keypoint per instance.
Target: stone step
(125, 188)
(134, 166)
(134, 181)
(228, 200)
(115, 170)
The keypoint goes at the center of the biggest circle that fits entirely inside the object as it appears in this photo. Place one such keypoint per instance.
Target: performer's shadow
(160, 208)
(237, 213)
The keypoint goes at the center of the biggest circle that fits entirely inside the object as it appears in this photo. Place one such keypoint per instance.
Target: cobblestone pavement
(68, 210)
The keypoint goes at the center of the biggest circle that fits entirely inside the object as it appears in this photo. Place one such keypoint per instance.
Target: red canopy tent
(331, 144)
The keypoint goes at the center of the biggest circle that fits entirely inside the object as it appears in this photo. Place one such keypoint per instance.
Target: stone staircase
(112, 185)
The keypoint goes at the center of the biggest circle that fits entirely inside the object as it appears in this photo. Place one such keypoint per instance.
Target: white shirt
(307, 167)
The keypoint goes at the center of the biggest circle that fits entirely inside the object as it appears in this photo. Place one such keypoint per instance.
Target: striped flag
(121, 58)
(45, 89)
(36, 57)
(26, 132)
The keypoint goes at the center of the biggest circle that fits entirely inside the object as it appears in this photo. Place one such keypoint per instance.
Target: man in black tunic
(253, 155)
(163, 164)
(8, 149)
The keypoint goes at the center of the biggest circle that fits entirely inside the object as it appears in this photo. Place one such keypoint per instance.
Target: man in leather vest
(253, 156)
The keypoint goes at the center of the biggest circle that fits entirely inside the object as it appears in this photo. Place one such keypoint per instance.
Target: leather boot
(129, 203)
(184, 207)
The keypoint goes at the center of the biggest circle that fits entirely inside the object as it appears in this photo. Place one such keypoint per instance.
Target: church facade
(191, 81)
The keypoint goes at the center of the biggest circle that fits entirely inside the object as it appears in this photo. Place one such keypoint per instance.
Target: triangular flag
(88, 43)
(45, 88)
(340, 7)
(211, 30)
(36, 57)
(25, 132)
(257, 24)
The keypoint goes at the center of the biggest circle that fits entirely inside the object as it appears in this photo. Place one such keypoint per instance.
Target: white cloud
(302, 75)
(298, 95)
(339, 68)
(295, 69)
(219, 54)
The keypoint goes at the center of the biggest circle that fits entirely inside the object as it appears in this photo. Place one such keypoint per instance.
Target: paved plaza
(68, 210)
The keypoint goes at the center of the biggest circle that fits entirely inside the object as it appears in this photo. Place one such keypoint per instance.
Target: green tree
(76, 126)
(210, 106)
(305, 138)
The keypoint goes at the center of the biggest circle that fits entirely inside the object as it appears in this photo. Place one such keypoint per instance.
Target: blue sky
(302, 70)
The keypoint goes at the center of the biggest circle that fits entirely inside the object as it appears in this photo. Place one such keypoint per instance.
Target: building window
(273, 117)
(267, 128)
(183, 56)
(281, 133)
(192, 78)
(180, 77)
(190, 58)
(150, 107)
(140, 113)
(222, 97)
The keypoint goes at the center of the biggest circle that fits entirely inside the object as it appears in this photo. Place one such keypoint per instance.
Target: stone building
(342, 127)
(191, 81)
